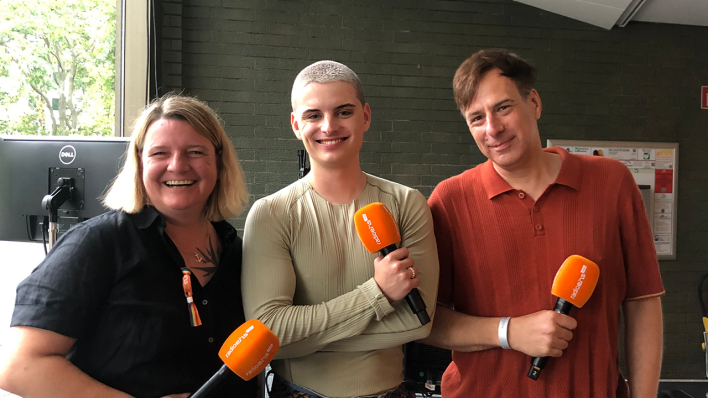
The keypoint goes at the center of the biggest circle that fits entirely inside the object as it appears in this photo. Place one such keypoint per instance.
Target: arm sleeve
(444, 238)
(68, 287)
(268, 287)
(402, 326)
(641, 264)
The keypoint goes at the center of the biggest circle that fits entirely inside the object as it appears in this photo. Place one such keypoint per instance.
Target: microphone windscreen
(576, 280)
(376, 227)
(249, 349)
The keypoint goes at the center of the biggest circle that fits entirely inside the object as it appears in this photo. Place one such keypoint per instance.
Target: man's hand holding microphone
(541, 334)
(547, 333)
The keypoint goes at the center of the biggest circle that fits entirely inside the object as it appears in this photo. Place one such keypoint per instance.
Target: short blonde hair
(325, 72)
(230, 195)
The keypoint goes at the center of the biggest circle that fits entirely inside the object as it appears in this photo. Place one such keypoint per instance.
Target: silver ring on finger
(412, 272)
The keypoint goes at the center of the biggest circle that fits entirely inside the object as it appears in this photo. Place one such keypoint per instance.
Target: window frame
(132, 62)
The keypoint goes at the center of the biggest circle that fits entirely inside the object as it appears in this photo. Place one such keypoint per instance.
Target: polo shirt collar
(569, 174)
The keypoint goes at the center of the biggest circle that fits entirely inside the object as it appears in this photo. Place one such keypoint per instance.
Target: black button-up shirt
(114, 283)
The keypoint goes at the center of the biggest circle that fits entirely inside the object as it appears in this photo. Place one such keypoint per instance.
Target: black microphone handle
(538, 363)
(214, 381)
(563, 306)
(388, 249)
(413, 298)
(417, 305)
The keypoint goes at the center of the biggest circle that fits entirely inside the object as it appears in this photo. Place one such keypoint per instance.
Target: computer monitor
(30, 168)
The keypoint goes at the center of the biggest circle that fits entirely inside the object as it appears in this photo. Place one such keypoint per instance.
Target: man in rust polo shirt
(504, 228)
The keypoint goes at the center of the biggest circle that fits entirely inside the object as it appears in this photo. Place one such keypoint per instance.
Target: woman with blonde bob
(107, 314)
(230, 194)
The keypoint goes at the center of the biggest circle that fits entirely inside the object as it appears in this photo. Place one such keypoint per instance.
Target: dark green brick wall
(638, 83)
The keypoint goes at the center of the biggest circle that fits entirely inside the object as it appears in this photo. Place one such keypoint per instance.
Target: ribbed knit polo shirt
(499, 251)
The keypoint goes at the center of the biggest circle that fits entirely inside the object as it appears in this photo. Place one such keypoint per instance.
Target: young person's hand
(396, 274)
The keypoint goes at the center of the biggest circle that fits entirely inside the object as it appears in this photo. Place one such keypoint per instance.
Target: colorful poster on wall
(654, 167)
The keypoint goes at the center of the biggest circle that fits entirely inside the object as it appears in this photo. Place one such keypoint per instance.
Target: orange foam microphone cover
(378, 231)
(249, 349)
(246, 352)
(576, 280)
(376, 227)
(573, 285)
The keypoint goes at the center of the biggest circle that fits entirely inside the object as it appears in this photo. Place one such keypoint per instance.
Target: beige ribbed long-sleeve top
(307, 276)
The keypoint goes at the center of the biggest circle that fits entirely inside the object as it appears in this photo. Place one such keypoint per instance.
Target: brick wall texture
(638, 83)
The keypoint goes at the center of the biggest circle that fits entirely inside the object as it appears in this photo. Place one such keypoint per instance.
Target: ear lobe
(295, 124)
(536, 100)
(367, 116)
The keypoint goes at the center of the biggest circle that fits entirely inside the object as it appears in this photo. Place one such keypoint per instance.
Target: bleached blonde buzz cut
(325, 72)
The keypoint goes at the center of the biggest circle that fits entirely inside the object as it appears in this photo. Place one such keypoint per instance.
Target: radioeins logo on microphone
(260, 362)
(244, 337)
(580, 281)
(371, 229)
(237, 342)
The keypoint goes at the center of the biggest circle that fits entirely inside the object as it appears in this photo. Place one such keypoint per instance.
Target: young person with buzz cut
(337, 309)
(504, 228)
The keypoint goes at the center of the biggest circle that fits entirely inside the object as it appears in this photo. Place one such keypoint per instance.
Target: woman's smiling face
(179, 167)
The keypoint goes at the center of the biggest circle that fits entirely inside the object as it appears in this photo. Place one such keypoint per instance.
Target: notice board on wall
(654, 166)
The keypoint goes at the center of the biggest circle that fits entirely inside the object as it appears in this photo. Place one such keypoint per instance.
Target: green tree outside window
(57, 67)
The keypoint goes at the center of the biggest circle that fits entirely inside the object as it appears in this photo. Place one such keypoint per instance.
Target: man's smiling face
(503, 123)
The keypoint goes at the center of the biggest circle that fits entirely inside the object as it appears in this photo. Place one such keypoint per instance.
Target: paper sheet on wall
(653, 170)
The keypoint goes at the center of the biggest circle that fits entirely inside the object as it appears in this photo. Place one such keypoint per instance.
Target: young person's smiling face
(503, 123)
(330, 121)
(179, 167)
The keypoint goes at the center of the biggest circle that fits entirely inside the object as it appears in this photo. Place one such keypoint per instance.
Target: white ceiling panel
(587, 11)
(607, 3)
(606, 13)
(682, 12)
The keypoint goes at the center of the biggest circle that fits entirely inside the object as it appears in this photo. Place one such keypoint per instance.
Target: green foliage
(57, 49)
(28, 124)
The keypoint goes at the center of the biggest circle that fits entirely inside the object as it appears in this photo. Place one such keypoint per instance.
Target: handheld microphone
(573, 285)
(378, 232)
(246, 352)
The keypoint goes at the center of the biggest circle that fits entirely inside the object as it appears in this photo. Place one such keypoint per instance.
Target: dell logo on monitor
(67, 154)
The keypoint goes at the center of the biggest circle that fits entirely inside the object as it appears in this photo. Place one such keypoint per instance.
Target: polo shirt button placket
(539, 230)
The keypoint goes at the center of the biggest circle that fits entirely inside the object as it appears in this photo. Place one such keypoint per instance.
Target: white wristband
(503, 332)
